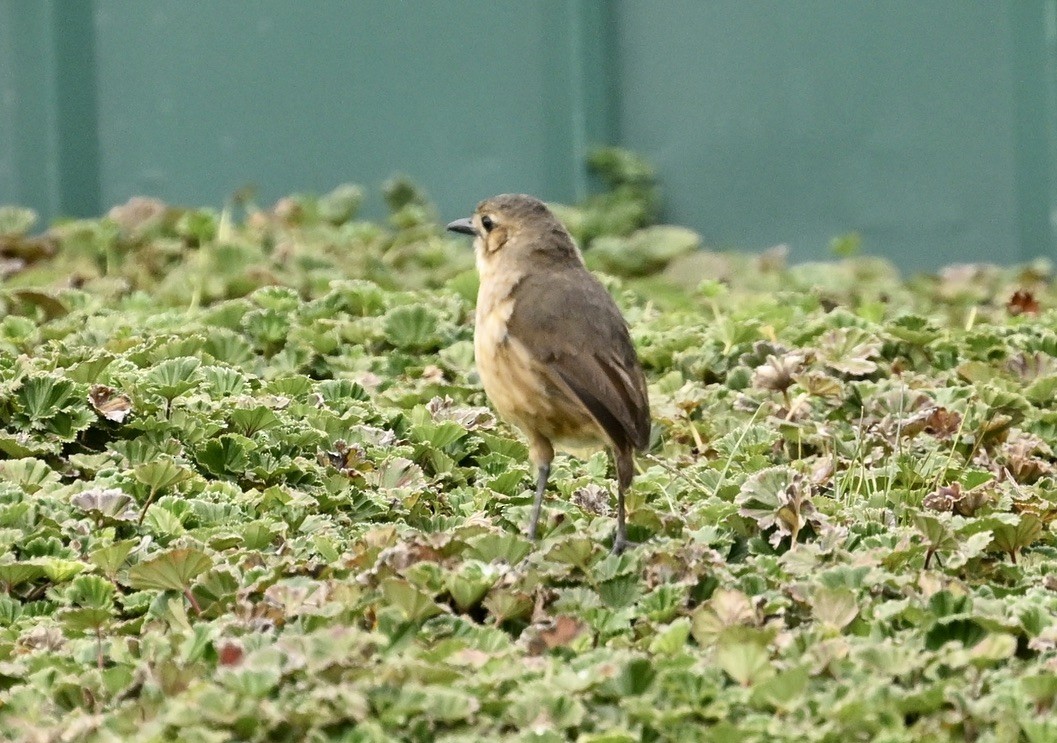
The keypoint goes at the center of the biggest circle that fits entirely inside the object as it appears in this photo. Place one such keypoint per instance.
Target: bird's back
(570, 325)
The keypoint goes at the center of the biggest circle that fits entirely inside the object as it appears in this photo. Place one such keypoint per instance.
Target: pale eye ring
(487, 223)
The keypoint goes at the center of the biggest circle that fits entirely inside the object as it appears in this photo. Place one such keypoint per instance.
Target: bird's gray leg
(541, 453)
(620, 541)
(625, 463)
(537, 505)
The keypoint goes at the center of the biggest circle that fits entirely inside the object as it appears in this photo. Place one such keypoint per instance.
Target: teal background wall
(928, 127)
(896, 119)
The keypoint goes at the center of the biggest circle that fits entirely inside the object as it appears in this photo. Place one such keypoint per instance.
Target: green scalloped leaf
(174, 570)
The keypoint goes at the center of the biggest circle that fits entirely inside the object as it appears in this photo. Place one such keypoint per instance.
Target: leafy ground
(251, 490)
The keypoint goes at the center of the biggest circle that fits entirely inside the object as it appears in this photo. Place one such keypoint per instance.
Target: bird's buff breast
(516, 383)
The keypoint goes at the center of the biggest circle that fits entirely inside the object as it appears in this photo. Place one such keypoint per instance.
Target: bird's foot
(621, 544)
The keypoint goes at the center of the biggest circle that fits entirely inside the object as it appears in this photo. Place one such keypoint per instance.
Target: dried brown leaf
(1023, 302)
(110, 403)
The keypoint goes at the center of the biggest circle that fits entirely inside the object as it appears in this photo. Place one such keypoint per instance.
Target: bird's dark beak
(465, 226)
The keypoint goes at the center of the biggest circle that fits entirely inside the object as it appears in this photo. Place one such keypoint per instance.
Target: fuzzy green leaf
(174, 570)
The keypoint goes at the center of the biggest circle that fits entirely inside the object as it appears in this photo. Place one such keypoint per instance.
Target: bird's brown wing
(569, 323)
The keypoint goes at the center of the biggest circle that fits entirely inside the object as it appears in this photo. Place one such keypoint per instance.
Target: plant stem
(194, 603)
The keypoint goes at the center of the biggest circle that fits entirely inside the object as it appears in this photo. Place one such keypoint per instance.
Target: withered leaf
(553, 633)
(953, 499)
(471, 418)
(1023, 302)
(943, 498)
(229, 654)
(346, 458)
(592, 498)
(110, 403)
(138, 215)
(778, 372)
(943, 423)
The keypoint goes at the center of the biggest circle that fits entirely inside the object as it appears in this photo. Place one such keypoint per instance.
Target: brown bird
(552, 349)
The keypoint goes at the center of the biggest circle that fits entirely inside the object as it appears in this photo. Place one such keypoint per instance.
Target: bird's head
(513, 229)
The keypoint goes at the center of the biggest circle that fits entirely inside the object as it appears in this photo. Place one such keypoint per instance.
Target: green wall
(929, 127)
(896, 119)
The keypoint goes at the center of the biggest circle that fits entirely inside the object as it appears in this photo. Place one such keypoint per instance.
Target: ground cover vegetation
(250, 489)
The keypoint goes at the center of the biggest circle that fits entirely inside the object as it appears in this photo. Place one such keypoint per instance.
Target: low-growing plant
(250, 489)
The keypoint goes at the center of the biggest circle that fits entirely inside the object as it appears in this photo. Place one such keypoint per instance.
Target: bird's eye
(487, 223)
